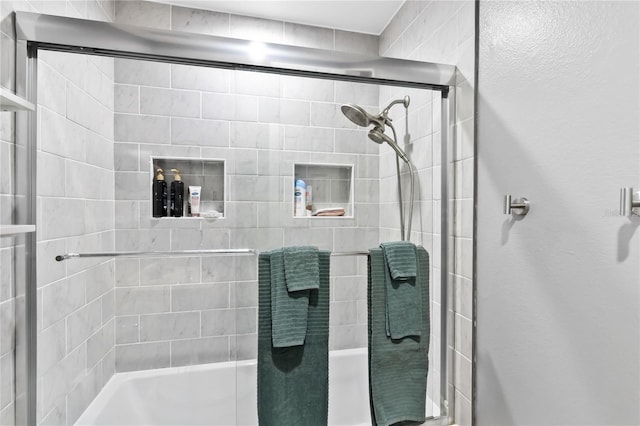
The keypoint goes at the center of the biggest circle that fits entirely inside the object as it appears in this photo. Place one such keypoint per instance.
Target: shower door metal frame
(38, 31)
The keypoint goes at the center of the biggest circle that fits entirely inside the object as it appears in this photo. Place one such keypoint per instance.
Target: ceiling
(363, 16)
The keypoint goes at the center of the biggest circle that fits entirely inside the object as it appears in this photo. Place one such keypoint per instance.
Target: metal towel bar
(62, 257)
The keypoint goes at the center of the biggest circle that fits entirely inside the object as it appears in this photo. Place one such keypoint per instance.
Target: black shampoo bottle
(159, 195)
(177, 194)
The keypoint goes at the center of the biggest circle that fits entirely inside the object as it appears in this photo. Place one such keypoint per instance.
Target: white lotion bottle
(299, 205)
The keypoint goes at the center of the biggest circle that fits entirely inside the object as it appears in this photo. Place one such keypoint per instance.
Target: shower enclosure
(242, 120)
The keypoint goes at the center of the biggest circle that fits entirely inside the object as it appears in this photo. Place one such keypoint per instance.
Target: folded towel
(401, 258)
(402, 295)
(288, 309)
(301, 268)
(293, 382)
(397, 368)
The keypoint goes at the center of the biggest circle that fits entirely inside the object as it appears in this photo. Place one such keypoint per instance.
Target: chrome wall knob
(629, 202)
(519, 206)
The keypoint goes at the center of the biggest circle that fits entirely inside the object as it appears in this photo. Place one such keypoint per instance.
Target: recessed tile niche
(331, 187)
(208, 174)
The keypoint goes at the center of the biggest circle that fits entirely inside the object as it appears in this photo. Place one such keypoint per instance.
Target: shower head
(358, 115)
(377, 135)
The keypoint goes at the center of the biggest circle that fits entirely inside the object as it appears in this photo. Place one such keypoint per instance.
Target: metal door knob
(518, 206)
(629, 202)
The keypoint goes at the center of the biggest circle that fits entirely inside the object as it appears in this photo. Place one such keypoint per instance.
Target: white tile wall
(443, 31)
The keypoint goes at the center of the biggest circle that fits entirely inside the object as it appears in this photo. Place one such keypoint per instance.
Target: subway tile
(320, 238)
(132, 185)
(52, 346)
(250, 28)
(464, 335)
(352, 141)
(200, 78)
(269, 110)
(127, 329)
(348, 41)
(254, 188)
(61, 299)
(52, 92)
(349, 336)
(218, 106)
(199, 21)
(225, 269)
(50, 176)
(343, 313)
(199, 351)
(258, 238)
(99, 150)
(255, 83)
(143, 356)
(244, 294)
(169, 326)
(301, 138)
(59, 380)
(141, 128)
(355, 239)
(308, 36)
(61, 136)
(100, 344)
(8, 383)
(365, 95)
(144, 14)
(462, 372)
(143, 240)
(219, 322)
(244, 347)
(199, 132)
(137, 72)
(308, 89)
(127, 272)
(83, 323)
(161, 271)
(108, 301)
(7, 326)
(295, 112)
(199, 297)
(79, 398)
(127, 98)
(246, 108)
(126, 157)
(249, 135)
(142, 300)
(99, 280)
(171, 102)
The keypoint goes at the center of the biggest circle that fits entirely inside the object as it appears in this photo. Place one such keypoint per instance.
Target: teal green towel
(301, 268)
(398, 368)
(293, 382)
(402, 294)
(288, 309)
(401, 257)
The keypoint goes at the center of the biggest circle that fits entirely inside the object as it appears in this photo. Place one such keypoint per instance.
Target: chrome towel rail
(62, 257)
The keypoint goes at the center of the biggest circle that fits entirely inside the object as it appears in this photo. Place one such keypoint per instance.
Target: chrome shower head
(377, 135)
(358, 115)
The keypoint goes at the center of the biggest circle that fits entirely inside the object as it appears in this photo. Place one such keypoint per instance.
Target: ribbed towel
(293, 382)
(301, 268)
(397, 368)
(402, 293)
(289, 309)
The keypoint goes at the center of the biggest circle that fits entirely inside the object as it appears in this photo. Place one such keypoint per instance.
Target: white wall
(557, 291)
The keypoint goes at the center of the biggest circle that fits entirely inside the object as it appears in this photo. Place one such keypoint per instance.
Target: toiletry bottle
(299, 206)
(159, 195)
(177, 194)
(309, 200)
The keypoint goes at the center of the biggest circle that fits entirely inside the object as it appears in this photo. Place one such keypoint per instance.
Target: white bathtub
(220, 394)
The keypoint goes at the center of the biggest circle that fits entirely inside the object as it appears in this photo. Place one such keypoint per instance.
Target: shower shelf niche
(208, 174)
(332, 187)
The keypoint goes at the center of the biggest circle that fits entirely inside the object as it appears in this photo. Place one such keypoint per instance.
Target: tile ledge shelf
(10, 230)
(12, 102)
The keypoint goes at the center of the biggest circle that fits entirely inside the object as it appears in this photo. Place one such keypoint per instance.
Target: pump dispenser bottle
(159, 194)
(177, 194)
